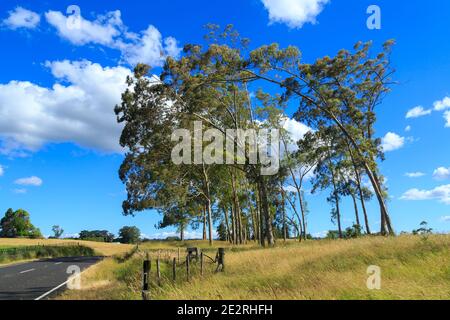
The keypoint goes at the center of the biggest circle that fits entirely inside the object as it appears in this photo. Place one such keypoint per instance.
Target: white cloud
(417, 112)
(445, 219)
(188, 235)
(442, 104)
(20, 191)
(103, 30)
(447, 118)
(408, 128)
(290, 188)
(321, 234)
(30, 181)
(296, 131)
(2, 171)
(22, 18)
(149, 48)
(441, 193)
(79, 111)
(392, 141)
(108, 30)
(441, 173)
(415, 174)
(294, 13)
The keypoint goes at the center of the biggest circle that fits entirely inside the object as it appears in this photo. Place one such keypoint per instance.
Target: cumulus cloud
(442, 104)
(296, 131)
(22, 18)
(441, 173)
(415, 174)
(440, 193)
(447, 119)
(77, 109)
(30, 181)
(104, 30)
(408, 128)
(109, 30)
(2, 171)
(417, 112)
(149, 48)
(392, 141)
(294, 13)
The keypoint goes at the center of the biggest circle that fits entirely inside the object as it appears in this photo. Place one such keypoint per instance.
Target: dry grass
(412, 268)
(106, 249)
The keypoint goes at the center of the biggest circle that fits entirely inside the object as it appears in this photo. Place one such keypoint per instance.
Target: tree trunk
(355, 205)
(204, 223)
(338, 213)
(302, 211)
(227, 225)
(208, 203)
(262, 230)
(283, 205)
(182, 232)
(267, 218)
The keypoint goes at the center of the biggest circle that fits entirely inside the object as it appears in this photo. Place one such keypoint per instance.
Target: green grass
(12, 254)
(412, 268)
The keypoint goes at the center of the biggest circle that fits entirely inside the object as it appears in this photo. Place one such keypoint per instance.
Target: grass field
(412, 268)
(106, 249)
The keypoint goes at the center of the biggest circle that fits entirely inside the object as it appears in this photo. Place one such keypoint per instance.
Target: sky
(61, 77)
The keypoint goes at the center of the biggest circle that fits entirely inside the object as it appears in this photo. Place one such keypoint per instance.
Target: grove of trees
(225, 85)
(129, 235)
(17, 224)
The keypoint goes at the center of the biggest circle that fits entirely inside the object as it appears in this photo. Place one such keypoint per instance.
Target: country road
(39, 279)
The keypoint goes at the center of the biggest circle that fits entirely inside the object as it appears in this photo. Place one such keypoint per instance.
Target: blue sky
(58, 139)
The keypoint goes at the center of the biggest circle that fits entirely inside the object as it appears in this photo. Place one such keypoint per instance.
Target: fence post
(146, 280)
(188, 267)
(220, 257)
(201, 263)
(174, 269)
(158, 272)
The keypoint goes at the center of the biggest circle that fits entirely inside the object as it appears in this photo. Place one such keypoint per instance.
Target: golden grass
(106, 249)
(412, 268)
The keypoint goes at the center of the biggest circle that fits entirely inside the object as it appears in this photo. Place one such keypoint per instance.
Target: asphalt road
(39, 279)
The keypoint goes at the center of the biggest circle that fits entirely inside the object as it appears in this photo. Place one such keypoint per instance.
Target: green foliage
(57, 231)
(39, 252)
(423, 230)
(17, 224)
(129, 235)
(222, 232)
(96, 235)
(353, 232)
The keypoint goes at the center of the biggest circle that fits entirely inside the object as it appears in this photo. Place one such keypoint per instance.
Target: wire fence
(171, 268)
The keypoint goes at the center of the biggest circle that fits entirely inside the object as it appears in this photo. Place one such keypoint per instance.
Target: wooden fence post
(188, 268)
(158, 272)
(201, 263)
(174, 269)
(220, 258)
(146, 280)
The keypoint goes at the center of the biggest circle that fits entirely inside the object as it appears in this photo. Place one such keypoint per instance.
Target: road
(39, 280)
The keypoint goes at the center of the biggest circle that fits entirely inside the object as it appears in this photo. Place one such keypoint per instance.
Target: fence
(195, 259)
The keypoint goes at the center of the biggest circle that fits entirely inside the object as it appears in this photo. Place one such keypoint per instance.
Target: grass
(412, 268)
(105, 249)
(14, 254)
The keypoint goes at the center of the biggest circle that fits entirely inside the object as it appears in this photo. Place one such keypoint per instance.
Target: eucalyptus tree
(342, 91)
